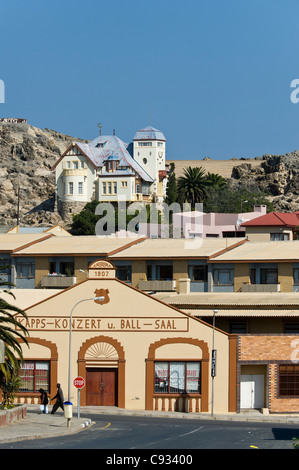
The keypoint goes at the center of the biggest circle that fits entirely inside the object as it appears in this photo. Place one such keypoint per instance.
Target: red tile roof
(274, 218)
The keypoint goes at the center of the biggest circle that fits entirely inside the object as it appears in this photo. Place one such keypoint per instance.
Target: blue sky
(214, 74)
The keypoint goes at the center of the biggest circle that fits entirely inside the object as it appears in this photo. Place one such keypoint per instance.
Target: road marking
(109, 424)
(191, 432)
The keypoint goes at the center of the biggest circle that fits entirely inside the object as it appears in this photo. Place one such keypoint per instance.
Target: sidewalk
(36, 426)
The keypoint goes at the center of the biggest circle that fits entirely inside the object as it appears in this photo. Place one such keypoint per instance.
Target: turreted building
(106, 168)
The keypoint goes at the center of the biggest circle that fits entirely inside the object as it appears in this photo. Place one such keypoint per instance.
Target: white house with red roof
(275, 226)
(106, 168)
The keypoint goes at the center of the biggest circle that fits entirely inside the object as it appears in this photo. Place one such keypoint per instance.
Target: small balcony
(157, 285)
(57, 281)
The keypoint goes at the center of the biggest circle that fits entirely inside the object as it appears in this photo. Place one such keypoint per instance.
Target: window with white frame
(279, 237)
(71, 188)
(80, 187)
(104, 188)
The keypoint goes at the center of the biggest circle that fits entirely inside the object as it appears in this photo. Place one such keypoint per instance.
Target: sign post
(79, 383)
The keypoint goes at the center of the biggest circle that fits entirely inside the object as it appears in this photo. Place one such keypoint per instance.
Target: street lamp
(70, 340)
(213, 368)
(242, 205)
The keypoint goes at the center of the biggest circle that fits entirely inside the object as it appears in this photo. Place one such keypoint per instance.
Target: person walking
(59, 400)
(44, 401)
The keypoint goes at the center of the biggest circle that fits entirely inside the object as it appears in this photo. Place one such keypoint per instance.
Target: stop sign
(79, 382)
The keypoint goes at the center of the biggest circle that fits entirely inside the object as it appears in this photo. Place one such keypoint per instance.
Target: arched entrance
(101, 362)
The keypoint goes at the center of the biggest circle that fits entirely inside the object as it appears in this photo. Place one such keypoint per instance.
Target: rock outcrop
(27, 155)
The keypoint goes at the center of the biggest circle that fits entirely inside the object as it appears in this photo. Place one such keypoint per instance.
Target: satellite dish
(239, 222)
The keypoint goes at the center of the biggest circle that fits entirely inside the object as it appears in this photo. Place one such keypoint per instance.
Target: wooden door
(101, 387)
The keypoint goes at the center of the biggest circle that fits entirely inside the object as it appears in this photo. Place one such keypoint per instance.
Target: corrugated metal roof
(236, 299)
(244, 313)
(178, 247)
(262, 251)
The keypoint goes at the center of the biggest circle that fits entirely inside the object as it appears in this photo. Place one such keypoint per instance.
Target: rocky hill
(28, 153)
(26, 157)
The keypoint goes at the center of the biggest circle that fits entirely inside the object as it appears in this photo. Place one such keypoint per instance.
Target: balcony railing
(260, 287)
(157, 285)
(58, 281)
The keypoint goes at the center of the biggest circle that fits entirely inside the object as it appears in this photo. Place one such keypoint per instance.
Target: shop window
(177, 377)
(289, 380)
(34, 375)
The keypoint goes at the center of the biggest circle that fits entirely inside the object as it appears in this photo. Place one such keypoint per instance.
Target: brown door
(101, 387)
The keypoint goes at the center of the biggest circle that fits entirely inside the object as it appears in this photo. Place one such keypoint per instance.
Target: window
(160, 144)
(124, 184)
(80, 187)
(82, 165)
(238, 327)
(145, 144)
(279, 237)
(223, 276)
(35, 375)
(104, 188)
(199, 273)
(109, 188)
(269, 276)
(177, 377)
(164, 273)
(115, 187)
(124, 273)
(296, 276)
(137, 188)
(289, 380)
(69, 164)
(62, 267)
(71, 188)
(25, 270)
(290, 328)
(76, 165)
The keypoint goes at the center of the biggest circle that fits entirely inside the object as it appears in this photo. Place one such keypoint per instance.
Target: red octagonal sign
(79, 382)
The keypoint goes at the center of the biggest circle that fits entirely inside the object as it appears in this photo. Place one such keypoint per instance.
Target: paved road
(137, 433)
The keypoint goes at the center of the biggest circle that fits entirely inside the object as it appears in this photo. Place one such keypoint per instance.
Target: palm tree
(11, 330)
(193, 185)
(216, 181)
